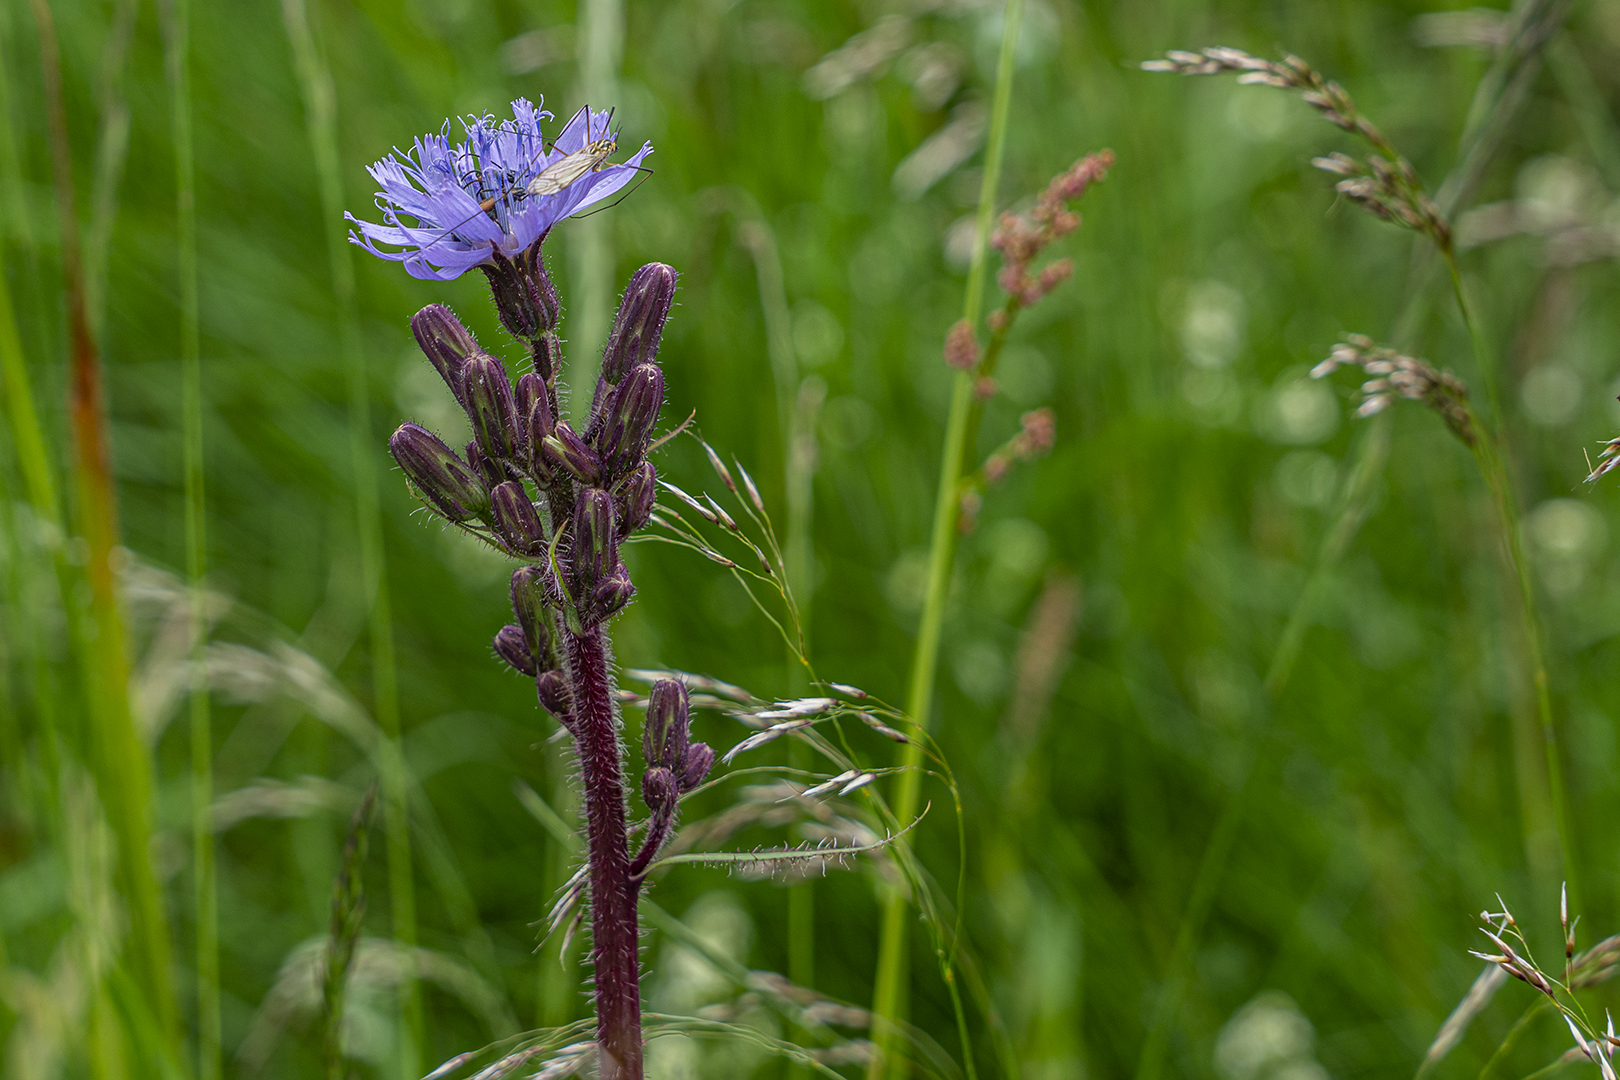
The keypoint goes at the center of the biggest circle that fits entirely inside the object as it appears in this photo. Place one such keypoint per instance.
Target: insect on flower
(569, 168)
(448, 207)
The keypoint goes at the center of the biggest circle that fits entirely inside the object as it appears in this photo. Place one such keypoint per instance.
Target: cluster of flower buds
(1385, 184)
(1021, 238)
(528, 483)
(1395, 375)
(529, 646)
(675, 764)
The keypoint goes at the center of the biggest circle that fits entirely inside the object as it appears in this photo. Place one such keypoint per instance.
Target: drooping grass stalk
(205, 886)
(1495, 102)
(892, 962)
(123, 761)
(320, 108)
(796, 406)
(590, 241)
(1488, 454)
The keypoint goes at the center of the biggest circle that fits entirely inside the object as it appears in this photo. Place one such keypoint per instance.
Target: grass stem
(177, 66)
(320, 106)
(124, 764)
(1488, 455)
(891, 970)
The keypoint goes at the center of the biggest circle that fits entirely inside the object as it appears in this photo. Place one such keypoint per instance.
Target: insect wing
(559, 174)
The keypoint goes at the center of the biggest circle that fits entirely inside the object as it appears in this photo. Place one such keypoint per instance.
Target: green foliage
(1210, 829)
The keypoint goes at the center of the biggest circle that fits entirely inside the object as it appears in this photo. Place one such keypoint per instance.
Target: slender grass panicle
(1384, 183)
(1580, 971)
(1608, 461)
(1395, 375)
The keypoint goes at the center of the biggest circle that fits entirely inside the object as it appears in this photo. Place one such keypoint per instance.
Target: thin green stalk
(124, 763)
(112, 149)
(1488, 454)
(1495, 102)
(28, 440)
(39, 488)
(1520, 1026)
(590, 241)
(891, 970)
(205, 885)
(320, 107)
(1586, 101)
(797, 404)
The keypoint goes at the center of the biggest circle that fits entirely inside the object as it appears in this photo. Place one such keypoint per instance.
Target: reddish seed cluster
(961, 347)
(1021, 238)
(1038, 435)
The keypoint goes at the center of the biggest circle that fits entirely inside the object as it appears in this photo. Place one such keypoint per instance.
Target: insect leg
(625, 195)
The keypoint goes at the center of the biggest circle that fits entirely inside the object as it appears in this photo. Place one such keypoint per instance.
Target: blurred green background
(1112, 616)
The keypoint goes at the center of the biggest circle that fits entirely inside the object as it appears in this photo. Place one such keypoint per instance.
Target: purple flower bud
(529, 605)
(638, 494)
(490, 407)
(565, 450)
(516, 523)
(540, 424)
(511, 647)
(613, 592)
(445, 341)
(596, 545)
(547, 354)
(699, 760)
(664, 737)
(555, 697)
(660, 791)
(489, 471)
(444, 479)
(528, 387)
(628, 425)
(640, 321)
(525, 298)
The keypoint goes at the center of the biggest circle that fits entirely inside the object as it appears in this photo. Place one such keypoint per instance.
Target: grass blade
(124, 764)
(205, 886)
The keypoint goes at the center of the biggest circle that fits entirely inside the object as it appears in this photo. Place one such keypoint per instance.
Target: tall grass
(320, 112)
(892, 968)
(1239, 705)
(205, 885)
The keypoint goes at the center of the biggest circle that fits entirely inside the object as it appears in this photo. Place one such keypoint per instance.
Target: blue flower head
(432, 198)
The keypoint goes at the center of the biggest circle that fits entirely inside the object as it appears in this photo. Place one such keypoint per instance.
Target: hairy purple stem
(614, 930)
(658, 831)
